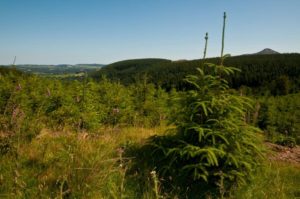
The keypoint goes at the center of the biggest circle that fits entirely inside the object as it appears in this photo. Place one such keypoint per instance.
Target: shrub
(280, 116)
(212, 149)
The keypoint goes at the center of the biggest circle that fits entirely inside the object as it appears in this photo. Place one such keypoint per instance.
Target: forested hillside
(276, 73)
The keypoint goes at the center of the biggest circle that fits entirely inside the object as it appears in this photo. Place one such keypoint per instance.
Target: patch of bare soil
(284, 154)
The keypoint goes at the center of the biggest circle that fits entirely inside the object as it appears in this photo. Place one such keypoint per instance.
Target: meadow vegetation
(87, 139)
(102, 138)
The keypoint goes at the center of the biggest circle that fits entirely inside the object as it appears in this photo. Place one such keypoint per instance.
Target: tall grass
(69, 165)
(278, 180)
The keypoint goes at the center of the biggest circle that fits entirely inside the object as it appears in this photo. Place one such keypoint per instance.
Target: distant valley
(61, 69)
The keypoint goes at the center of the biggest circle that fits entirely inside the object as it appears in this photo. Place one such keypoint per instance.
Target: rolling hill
(257, 70)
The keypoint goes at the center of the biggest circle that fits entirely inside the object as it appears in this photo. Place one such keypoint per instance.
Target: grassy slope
(69, 165)
(60, 164)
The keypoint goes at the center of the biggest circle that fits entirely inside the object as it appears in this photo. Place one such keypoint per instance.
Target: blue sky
(104, 31)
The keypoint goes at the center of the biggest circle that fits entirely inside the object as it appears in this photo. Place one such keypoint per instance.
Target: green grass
(72, 165)
(69, 165)
(277, 180)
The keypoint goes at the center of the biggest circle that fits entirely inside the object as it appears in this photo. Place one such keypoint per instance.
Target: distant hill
(129, 70)
(267, 51)
(135, 64)
(95, 65)
(257, 70)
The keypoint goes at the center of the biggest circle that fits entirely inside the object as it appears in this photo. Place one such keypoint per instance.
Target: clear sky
(105, 31)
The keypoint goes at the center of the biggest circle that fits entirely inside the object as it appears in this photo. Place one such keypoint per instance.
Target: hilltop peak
(267, 51)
